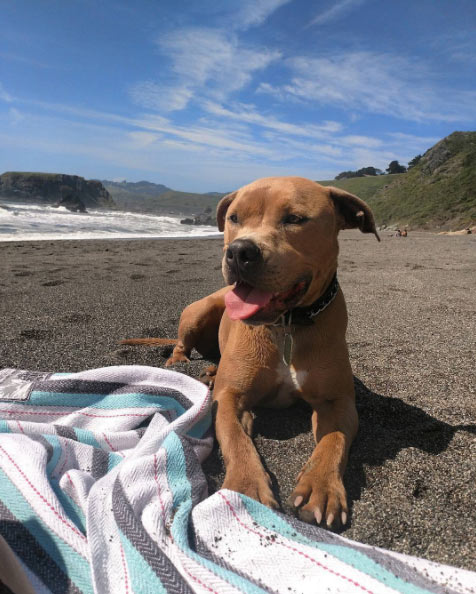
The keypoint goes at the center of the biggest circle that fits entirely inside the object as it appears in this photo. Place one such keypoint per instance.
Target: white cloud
(375, 83)
(248, 114)
(160, 98)
(143, 139)
(238, 133)
(356, 140)
(24, 60)
(208, 55)
(203, 63)
(78, 112)
(370, 157)
(335, 12)
(4, 96)
(216, 154)
(331, 150)
(233, 136)
(15, 116)
(409, 144)
(212, 136)
(255, 12)
(457, 46)
(151, 133)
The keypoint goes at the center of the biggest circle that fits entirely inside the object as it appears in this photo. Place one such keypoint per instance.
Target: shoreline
(218, 235)
(66, 304)
(215, 235)
(33, 222)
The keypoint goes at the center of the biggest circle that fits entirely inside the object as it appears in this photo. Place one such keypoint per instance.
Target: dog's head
(281, 243)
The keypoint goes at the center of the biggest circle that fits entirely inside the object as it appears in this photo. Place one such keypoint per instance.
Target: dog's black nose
(243, 254)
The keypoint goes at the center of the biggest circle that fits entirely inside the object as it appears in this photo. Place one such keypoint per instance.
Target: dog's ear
(222, 208)
(354, 213)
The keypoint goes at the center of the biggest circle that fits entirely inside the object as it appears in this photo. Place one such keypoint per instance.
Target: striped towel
(101, 490)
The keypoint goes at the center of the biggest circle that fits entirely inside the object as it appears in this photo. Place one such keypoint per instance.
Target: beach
(65, 305)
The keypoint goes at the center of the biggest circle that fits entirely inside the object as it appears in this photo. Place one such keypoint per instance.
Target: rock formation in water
(53, 188)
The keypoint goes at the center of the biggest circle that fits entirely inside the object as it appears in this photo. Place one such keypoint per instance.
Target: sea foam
(28, 222)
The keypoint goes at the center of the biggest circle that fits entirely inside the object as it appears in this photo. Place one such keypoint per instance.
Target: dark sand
(411, 478)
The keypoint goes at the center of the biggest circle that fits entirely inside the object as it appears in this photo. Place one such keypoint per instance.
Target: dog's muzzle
(243, 259)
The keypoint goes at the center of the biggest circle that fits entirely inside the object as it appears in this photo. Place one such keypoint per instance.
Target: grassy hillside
(185, 202)
(363, 187)
(438, 193)
(156, 198)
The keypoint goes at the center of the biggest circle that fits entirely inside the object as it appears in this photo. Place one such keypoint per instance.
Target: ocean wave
(21, 222)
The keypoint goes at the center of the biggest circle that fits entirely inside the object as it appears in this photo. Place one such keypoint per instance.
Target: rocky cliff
(51, 188)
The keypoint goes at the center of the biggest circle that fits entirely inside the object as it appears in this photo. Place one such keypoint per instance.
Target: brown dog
(281, 332)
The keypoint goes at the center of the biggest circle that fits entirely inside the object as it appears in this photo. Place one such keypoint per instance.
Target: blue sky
(208, 95)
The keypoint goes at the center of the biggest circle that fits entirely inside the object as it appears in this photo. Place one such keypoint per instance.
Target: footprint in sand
(52, 283)
(76, 318)
(35, 334)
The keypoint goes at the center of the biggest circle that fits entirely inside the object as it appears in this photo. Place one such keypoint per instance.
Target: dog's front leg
(320, 493)
(244, 470)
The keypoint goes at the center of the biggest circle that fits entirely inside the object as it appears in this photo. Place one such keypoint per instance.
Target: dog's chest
(290, 382)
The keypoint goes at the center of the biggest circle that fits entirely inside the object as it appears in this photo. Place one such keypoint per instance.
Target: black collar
(304, 316)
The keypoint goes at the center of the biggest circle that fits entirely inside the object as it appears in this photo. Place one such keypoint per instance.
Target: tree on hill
(359, 173)
(414, 161)
(369, 171)
(395, 167)
(346, 175)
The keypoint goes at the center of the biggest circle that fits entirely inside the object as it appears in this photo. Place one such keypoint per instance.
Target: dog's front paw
(257, 486)
(207, 376)
(176, 358)
(320, 497)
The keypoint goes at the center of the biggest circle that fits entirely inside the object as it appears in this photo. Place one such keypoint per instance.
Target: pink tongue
(244, 301)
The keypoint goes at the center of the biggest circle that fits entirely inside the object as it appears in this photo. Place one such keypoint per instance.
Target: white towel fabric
(101, 490)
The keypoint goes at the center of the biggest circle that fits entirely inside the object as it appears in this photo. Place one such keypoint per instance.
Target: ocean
(28, 222)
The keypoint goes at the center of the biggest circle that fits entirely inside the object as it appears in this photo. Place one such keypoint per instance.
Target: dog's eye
(233, 218)
(293, 219)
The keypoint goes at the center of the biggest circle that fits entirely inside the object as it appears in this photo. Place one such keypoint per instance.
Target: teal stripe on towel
(87, 437)
(104, 401)
(143, 579)
(4, 428)
(201, 427)
(57, 450)
(113, 461)
(268, 519)
(182, 502)
(72, 510)
(73, 564)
